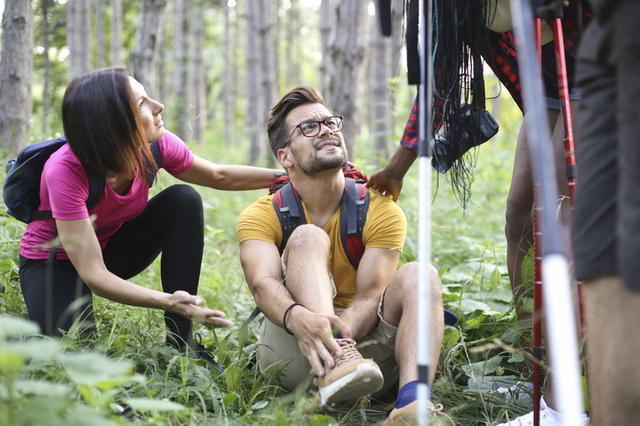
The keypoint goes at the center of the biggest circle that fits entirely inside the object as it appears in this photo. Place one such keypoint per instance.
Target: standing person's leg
(172, 223)
(594, 235)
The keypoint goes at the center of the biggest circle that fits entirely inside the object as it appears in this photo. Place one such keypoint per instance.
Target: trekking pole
(424, 218)
(554, 265)
(536, 349)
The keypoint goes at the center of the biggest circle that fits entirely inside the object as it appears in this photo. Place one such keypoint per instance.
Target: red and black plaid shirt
(501, 55)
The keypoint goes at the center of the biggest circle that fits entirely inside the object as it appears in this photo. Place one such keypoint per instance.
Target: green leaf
(94, 369)
(39, 387)
(14, 326)
(145, 404)
(482, 368)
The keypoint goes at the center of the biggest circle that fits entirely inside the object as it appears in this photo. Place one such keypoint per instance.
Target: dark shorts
(550, 77)
(606, 223)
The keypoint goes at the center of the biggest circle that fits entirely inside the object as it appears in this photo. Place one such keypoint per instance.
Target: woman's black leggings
(171, 224)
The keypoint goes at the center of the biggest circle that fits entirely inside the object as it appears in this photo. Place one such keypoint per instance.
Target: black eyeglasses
(312, 128)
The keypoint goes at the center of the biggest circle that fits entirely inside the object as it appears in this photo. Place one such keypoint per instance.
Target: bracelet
(284, 318)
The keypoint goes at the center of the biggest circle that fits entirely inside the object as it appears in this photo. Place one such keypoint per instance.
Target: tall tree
(180, 51)
(78, 36)
(144, 55)
(326, 15)
(46, 84)
(347, 48)
(101, 48)
(228, 71)
(199, 87)
(292, 61)
(379, 79)
(269, 87)
(16, 69)
(116, 32)
(253, 88)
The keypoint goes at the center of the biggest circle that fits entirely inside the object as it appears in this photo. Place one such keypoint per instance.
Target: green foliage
(128, 376)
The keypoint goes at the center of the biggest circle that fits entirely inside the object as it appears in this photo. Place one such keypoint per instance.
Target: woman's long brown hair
(100, 120)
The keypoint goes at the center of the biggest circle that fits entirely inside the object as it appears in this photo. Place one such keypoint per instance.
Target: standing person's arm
(388, 181)
(81, 245)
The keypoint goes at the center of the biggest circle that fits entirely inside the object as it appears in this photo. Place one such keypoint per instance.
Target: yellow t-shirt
(385, 227)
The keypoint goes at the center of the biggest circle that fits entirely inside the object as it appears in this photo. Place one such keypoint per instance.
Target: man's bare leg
(612, 315)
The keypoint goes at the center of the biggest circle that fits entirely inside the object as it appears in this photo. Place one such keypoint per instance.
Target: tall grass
(127, 375)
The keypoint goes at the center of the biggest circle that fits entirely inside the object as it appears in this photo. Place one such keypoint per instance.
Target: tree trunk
(144, 55)
(16, 69)
(228, 93)
(71, 38)
(83, 40)
(180, 46)
(46, 84)
(116, 32)
(379, 80)
(269, 86)
(326, 15)
(292, 58)
(253, 89)
(101, 48)
(198, 69)
(348, 49)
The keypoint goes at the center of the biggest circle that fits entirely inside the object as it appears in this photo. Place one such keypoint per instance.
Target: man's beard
(317, 164)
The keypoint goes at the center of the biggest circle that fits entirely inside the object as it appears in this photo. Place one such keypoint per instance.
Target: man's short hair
(277, 126)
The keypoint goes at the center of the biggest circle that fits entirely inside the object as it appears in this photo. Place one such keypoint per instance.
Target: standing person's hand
(386, 183)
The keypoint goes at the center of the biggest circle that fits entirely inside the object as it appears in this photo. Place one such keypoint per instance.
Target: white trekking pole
(562, 333)
(424, 208)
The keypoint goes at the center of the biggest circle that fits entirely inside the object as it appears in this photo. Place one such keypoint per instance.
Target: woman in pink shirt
(109, 122)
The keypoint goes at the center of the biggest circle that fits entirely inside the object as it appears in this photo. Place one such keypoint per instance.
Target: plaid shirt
(501, 56)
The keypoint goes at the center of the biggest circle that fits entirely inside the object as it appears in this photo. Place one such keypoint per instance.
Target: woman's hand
(188, 306)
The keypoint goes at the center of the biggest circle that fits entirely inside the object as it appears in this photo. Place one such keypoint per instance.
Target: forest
(218, 66)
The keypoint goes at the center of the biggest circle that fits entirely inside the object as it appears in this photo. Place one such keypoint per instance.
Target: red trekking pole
(563, 89)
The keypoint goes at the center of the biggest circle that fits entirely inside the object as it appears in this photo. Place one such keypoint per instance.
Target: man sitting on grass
(354, 329)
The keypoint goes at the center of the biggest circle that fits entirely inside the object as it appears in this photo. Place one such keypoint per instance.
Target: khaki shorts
(279, 351)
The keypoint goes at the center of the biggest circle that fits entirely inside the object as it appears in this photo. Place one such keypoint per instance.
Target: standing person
(496, 44)
(606, 227)
(110, 122)
(354, 329)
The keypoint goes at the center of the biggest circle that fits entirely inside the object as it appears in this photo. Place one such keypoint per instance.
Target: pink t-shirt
(64, 190)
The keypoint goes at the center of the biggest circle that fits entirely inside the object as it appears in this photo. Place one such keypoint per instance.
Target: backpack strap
(353, 214)
(288, 206)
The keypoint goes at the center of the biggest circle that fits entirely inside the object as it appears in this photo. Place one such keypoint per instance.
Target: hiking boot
(195, 350)
(407, 415)
(352, 377)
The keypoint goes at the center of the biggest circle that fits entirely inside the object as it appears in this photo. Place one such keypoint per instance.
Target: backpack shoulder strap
(288, 206)
(157, 158)
(353, 214)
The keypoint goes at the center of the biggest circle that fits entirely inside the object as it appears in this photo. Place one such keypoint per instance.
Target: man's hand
(386, 184)
(315, 337)
(188, 306)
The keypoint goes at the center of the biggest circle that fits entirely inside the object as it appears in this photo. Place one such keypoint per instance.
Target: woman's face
(149, 112)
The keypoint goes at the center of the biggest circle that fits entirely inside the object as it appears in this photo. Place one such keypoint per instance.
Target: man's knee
(308, 237)
(407, 279)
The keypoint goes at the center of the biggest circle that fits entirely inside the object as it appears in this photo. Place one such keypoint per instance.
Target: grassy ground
(128, 376)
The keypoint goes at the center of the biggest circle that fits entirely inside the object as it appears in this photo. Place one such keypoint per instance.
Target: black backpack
(21, 188)
(353, 213)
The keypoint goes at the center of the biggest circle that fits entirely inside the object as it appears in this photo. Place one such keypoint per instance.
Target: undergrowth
(128, 376)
